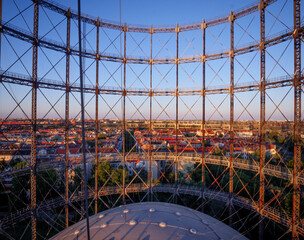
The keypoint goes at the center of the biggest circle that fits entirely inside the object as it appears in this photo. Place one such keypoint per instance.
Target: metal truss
(128, 169)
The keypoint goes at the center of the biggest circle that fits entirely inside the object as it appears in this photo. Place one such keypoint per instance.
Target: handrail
(269, 212)
(75, 85)
(16, 31)
(269, 169)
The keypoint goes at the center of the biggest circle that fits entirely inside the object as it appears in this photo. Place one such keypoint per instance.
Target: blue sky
(159, 11)
(190, 75)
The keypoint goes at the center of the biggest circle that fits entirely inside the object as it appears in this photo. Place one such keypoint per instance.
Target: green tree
(77, 178)
(289, 164)
(14, 161)
(20, 165)
(257, 154)
(273, 136)
(287, 203)
(20, 191)
(48, 185)
(106, 173)
(281, 139)
(216, 151)
(130, 141)
(102, 136)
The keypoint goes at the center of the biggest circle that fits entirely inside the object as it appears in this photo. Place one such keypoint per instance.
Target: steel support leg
(34, 124)
(297, 120)
(231, 126)
(67, 118)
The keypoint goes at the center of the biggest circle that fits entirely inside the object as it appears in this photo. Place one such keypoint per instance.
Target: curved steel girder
(244, 164)
(21, 34)
(21, 79)
(243, 202)
(54, 6)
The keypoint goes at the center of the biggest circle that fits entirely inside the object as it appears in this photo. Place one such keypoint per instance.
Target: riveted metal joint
(231, 18)
(68, 51)
(35, 84)
(36, 42)
(231, 54)
(68, 13)
(97, 23)
(231, 90)
(261, 5)
(295, 33)
(203, 25)
(261, 46)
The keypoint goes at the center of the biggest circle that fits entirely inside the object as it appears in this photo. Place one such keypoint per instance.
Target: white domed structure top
(151, 220)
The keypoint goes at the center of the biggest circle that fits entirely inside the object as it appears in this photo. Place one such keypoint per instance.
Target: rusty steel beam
(262, 115)
(296, 34)
(250, 47)
(67, 118)
(269, 169)
(124, 115)
(85, 178)
(34, 124)
(203, 94)
(231, 125)
(297, 119)
(96, 115)
(146, 29)
(243, 202)
(176, 111)
(150, 119)
(20, 79)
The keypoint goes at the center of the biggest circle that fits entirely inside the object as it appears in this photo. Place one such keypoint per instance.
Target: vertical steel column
(203, 127)
(83, 42)
(150, 122)
(231, 126)
(83, 124)
(124, 115)
(262, 114)
(297, 119)
(67, 117)
(176, 116)
(96, 115)
(34, 123)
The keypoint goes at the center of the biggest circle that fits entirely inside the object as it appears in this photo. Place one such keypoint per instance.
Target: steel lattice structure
(218, 164)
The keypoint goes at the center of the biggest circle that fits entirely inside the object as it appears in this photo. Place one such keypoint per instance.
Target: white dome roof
(150, 220)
